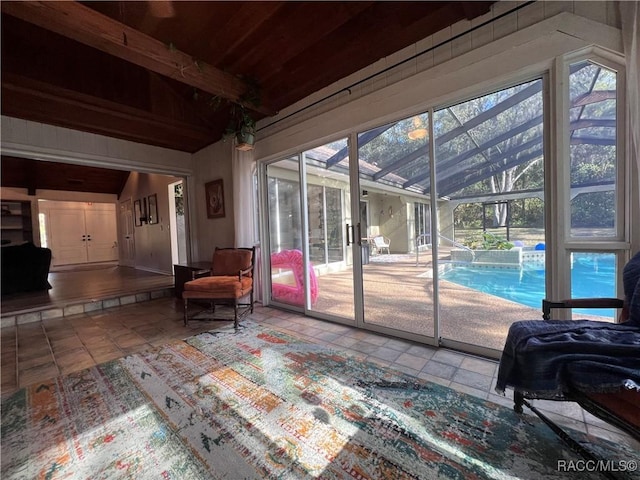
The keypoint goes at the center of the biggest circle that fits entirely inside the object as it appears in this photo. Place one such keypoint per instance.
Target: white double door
(83, 233)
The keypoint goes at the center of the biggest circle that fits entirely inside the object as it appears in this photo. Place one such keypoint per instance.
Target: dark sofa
(24, 268)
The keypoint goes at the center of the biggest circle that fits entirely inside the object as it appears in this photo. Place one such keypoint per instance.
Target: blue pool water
(592, 275)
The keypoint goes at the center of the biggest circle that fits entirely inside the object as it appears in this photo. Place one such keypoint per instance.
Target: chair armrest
(242, 273)
(547, 305)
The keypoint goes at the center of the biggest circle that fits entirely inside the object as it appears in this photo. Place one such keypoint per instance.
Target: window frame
(558, 208)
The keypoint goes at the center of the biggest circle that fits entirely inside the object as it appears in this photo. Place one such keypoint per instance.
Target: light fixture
(418, 132)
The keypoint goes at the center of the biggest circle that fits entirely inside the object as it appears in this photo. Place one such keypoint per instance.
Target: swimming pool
(592, 275)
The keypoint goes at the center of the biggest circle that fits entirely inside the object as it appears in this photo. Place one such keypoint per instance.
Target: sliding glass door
(490, 200)
(436, 226)
(449, 210)
(311, 232)
(330, 229)
(397, 270)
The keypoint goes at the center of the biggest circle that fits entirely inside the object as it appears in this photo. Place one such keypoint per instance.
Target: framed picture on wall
(152, 213)
(214, 192)
(137, 213)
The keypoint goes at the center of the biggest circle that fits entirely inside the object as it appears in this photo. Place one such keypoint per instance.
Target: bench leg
(186, 309)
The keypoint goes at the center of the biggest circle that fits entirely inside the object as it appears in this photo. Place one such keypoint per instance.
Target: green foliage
(179, 196)
(593, 210)
(241, 122)
(527, 213)
(523, 213)
(486, 241)
(468, 215)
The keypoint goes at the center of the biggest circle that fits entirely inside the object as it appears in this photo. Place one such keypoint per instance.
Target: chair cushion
(230, 261)
(218, 287)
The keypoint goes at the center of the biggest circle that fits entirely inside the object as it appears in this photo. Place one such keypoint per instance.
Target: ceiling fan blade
(161, 8)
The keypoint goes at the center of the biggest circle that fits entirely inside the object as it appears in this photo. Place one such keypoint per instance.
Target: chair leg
(186, 309)
(235, 315)
(251, 300)
(518, 401)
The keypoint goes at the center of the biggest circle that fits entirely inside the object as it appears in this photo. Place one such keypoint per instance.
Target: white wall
(152, 242)
(39, 141)
(211, 163)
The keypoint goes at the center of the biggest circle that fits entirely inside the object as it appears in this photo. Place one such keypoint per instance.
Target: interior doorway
(177, 225)
(127, 238)
(80, 232)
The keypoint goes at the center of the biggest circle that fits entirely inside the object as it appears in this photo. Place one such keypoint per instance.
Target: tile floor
(35, 351)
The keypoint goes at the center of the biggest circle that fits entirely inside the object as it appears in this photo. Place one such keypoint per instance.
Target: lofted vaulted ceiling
(154, 71)
(36, 175)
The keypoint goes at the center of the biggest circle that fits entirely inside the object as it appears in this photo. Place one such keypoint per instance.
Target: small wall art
(152, 213)
(215, 199)
(137, 213)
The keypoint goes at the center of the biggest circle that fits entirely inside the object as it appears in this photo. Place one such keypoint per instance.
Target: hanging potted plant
(242, 126)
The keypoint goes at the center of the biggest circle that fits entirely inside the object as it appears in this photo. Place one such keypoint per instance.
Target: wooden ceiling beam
(84, 25)
(37, 101)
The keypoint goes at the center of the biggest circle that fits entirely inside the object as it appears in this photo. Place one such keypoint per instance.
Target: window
(325, 224)
(422, 230)
(284, 214)
(489, 154)
(593, 150)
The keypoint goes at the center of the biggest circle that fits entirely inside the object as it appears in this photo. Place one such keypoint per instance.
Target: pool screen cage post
(495, 205)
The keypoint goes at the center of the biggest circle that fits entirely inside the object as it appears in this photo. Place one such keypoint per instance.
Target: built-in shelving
(15, 223)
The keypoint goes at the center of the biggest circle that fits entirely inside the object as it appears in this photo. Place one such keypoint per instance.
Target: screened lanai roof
(496, 138)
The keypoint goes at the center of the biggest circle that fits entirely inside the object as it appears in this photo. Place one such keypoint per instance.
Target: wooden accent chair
(228, 282)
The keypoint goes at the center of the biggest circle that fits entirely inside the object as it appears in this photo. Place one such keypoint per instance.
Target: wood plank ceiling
(149, 71)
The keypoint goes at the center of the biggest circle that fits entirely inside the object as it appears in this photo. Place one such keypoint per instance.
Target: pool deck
(398, 294)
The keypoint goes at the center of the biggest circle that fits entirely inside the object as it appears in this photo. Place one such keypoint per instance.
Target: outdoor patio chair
(593, 363)
(228, 282)
(588, 362)
(381, 243)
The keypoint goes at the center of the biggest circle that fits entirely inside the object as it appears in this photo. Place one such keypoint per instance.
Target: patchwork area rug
(259, 404)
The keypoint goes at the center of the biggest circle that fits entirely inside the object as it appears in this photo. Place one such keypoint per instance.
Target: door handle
(349, 242)
(359, 235)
